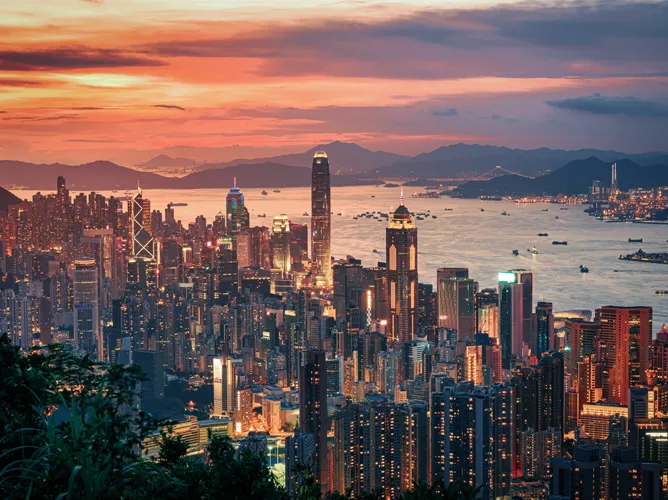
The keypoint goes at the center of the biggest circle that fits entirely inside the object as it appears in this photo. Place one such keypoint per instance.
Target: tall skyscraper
(141, 241)
(86, 307)
(279, 244)
(237, 213)
(321, 220)
(524, 277)
(402, 274)
(313, 408)
(456, 308)
(543, 329)
(510, 317)
(224, 385)
(487, 312)
(624, 348)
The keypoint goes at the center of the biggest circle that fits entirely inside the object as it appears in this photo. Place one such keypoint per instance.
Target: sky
(125, 79)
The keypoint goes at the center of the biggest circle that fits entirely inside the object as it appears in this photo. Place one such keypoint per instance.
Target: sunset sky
(104, 79)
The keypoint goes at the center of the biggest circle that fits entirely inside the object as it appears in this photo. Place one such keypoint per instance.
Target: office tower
(543, 329)
(444, 273)
(139, 214)
(524, 277)
(299, 454)
(224, 386)
(152, 365)
(299, 242)
(581, 339)
(313, 408)
(237, 213)
(486, 304)
(579, 477)
(402, 274)
(321, 220)
(660, 357)
(624, 348)
(510, 317)
(85, 306)
(633, 479)
(348, 288)
(427, 311)
(279, 244)
(456, 305)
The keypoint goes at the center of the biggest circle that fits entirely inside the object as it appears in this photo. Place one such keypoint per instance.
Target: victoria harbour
(468, 237)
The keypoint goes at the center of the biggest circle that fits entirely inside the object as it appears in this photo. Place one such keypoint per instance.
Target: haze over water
(467, 237)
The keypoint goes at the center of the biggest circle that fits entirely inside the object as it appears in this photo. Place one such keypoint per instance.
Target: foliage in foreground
(69, 430)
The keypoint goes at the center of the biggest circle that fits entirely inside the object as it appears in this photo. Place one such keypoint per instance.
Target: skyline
(260, 81)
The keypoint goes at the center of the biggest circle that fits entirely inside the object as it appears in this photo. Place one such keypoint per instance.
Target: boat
(560, 242)
(264, 193)
(482, 209)
(448, 209)
(515, 252)
(635, 240)
(373, 195)
(584, 269)
(563, 208)
(277, 190)
(662, 292)
(534, 251)
(420, 218)
(545, 210)
(504, 213)
(339, 214)
(433, 216)
(261, 215)
(542, 234)
(354, 218)
(375, 251)
(557, 217)
(305, 214)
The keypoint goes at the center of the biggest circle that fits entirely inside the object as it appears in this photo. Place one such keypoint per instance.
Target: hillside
(573, 178)
(347, 158)
(7, 199)
(263, 175)
(97, 175)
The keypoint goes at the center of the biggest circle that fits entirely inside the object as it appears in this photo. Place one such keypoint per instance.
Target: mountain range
(352, 162)
(573, 178)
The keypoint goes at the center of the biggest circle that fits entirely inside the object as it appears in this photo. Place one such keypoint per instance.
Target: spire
(401, 197)
(138, 187)
(235, 181)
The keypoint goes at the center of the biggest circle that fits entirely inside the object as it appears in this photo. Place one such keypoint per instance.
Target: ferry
(264, 193)
(542, 234)
(560, 242)
(277, 190)
(584, 269)
(261, 215)
(635, 240)
(661, 292)
(433, 216)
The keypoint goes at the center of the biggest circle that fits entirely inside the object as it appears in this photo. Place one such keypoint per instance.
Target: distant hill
(461, 160)
(7, 199)
(345, 157)
(164, 161)
(97, 175)
(573, 178)
(265, 175)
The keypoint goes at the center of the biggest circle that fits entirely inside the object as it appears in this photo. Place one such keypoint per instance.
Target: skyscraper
(543, 329)
(86, 309)
(237, 213)
(456, 305)
(224, 385)
(524, 277)
(510, 317)
(402, 274)
(279, 244)
(321, 220)
(313, 408)
(624, 348)
(141, 241)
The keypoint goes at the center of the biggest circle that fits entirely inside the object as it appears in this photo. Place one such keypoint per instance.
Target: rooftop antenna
(401, 197)
(235, 181)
